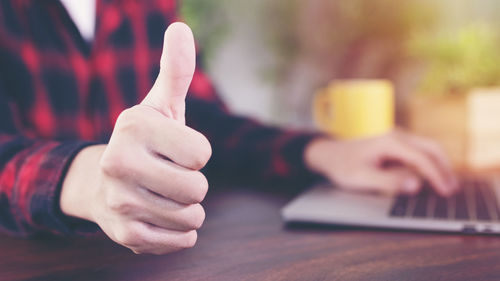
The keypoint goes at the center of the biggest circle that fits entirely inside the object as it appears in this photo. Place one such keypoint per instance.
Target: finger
(392, 181)
(154, 240)
(435, 152)
(422, 163)
(168, 214)
(177, 66)
(179, 143)
(171, 181)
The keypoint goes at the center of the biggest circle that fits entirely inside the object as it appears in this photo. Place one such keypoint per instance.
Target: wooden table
(244, 238)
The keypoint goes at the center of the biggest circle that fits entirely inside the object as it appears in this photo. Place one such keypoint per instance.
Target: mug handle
(321, 111)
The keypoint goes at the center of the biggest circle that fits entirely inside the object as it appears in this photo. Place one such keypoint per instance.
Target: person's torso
(60, 87)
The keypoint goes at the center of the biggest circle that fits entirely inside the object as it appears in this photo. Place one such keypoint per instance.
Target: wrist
(80, 183)
(317, 152)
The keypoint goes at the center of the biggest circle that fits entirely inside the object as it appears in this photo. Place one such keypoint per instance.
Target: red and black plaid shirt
(59, 94)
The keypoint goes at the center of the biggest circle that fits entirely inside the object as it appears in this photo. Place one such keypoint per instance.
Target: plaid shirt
(59, 94)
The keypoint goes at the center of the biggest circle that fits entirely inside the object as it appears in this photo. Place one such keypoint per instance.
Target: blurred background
(268, 57)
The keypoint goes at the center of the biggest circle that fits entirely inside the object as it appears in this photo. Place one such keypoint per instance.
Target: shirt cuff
(300, 175)
(44, 206)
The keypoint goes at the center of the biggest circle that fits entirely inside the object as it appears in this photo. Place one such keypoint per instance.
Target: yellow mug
(355, 108)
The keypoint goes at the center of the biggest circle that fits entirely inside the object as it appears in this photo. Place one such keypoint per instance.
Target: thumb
(392, 181)
(177, 66)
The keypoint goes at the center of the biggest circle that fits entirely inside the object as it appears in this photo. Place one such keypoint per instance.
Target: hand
(363, 164)
(144, 188)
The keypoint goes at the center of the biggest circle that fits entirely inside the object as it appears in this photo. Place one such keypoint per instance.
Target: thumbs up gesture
(148, 187)
(177, 65)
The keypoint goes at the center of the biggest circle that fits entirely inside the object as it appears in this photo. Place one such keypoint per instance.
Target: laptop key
(441, 210)
(461, 210)
(482, 211)
(470, 200)
(421, 201)
(491, 200)
(476, 201)
(400, 206)
(431, 205)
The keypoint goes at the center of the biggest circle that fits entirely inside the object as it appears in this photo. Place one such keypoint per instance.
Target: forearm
(246, 151)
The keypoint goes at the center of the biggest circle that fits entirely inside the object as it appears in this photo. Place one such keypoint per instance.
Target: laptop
(475, 209)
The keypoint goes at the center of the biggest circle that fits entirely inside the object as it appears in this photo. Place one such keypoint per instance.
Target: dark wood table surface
(244, 238)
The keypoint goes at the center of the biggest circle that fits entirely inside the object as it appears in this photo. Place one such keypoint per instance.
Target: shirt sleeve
(31, 174)
(244, 150)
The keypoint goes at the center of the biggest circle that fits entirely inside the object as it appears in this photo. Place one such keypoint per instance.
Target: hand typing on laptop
(361, 164)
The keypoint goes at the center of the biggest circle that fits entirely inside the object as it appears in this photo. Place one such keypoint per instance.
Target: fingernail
(410, 185)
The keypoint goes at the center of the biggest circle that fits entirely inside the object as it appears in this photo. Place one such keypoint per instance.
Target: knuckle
(131, 121)
(160, 250)
(195, 217)
(119, 205)
(122, 208)
(126, 116)
(203, 152)
(206, 150)
(111, 163)
(118, 163)
(130, 238)
(188, 240)
(199, 216)
(200, 189)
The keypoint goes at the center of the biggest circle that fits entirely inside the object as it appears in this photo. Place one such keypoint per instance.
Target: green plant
(458, 61)
(208, 20)
(341, 34)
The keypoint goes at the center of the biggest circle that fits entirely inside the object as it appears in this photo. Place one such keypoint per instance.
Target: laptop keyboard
(476, 201)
